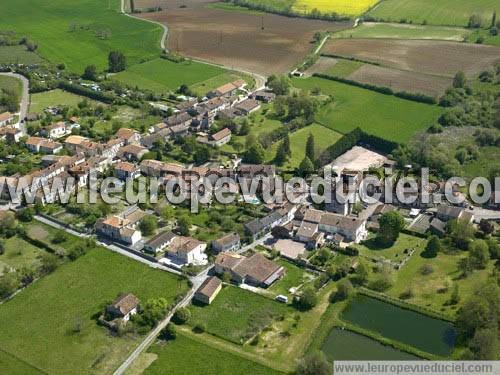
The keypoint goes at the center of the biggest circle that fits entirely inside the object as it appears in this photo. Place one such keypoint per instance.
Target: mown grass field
(404, 31)
(185, 355)
(294, 277)
(55, 97)
(343, 68)
(37, 325)
(14, 366)
(442, 12)
(385, 116)
(162, 75)
(18, 55)
(237, 315)
(323, 138)
(81, 32)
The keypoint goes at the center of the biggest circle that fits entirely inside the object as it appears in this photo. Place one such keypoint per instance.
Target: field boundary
(23, 361)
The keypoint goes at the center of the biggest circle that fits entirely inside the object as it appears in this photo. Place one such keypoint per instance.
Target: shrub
(199, 327)
(168, 333)
(181, 316)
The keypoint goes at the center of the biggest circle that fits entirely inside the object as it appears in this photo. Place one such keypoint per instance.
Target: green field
(385, 116)
(202, 88)
(396, 252)
(323, 138)
(14, 366)
(294, 277)
(57, 97)
(81, 32)
(404, 31)
(434, 290)
(19, 253)
(45, 314)
(237, 315)
(18, 55)
(185, 355)
(11, 83)
(343, 68)
(435, 12)
(162, 75)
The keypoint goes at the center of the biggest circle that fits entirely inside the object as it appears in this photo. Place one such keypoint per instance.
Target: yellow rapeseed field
(346, 7)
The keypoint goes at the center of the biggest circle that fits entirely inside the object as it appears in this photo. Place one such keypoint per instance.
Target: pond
(345, 345)
(421, 331)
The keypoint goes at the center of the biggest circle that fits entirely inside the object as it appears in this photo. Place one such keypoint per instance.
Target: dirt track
(236, 39)
(431, 57)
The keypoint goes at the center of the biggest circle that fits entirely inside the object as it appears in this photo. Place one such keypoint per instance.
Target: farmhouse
(125, 170)
(228, 90)
(447, 213)
(182, 118)
(132, 152)
(10, 134)
(124, 307)
(207, 291)
(6, 118)
(352, 229)
(122, 227)
(128, 136)
(256, 270)
(264, 96)
(187, 250)
(42, 145)
(229, 242)
(218, 139)
(248, 106)
(55, 131)
(159, 242)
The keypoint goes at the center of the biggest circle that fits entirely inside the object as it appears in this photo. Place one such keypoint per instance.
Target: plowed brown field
(265, 44)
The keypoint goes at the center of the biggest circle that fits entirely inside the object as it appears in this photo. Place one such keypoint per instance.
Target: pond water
(345, 345)
(421, 331)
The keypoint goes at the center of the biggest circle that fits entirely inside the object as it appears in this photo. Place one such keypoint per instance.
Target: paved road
(197, 281)
(25, 100)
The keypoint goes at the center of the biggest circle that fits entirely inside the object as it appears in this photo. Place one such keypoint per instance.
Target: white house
(353, 229)
(187, 250)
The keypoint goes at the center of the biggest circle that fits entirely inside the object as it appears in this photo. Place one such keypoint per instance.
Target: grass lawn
(435, 289)
(11, 83)
(55, 97)
(396, 252)
(385, 116)
(404, 31)
(76, 292)
(81, 32)
(14, 366)
(237, 315)
(18, 55)
(162, 75)
(19, 253)
(443, 12)
(294, 277)
(186, 355)
(323, 138)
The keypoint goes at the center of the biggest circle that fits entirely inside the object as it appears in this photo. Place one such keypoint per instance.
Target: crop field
(81, 32)
(237, 315)
(264, 44)
(46, 313)
(162, 75)
(442, 12)
(401, 80)
(323, 138)
(56, 97)
(386, 116)
(431, 57)
(189, 356)
(404, 31)
(347, 7)
(18, 55)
